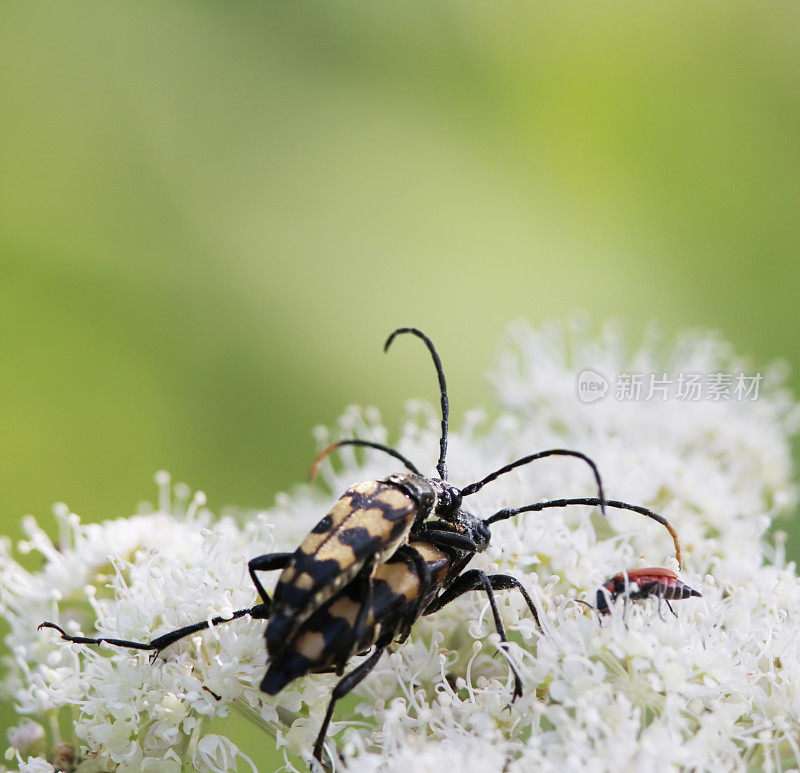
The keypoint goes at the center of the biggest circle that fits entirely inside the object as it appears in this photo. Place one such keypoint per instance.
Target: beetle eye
(449, 502)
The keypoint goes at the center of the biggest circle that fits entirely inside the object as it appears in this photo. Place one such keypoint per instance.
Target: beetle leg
(507, 582)
(266, 563)
(447, 539)
(424, 577)
(666, 601)
(343, 687)
(498, 581)
(134, 645)
(364, 580)
(258, 612)
(475, 579)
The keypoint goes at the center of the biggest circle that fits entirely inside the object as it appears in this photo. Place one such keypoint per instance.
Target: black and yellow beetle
(373, 565)
(376, 611)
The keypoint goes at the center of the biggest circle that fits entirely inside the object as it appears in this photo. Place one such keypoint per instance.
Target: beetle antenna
(502, 515)
(441, 467)
(473, 487)
(365, 444)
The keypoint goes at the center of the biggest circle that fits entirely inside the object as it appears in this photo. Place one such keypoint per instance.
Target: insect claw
(670, 607)
(155, 655)
(516, 694)
(316, 765)
(217, 697)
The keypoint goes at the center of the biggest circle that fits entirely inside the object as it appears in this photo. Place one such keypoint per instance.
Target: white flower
(35, 765)
(25, 735)
(717, 688)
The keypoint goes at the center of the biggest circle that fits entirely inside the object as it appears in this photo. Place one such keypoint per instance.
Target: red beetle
(641, 583)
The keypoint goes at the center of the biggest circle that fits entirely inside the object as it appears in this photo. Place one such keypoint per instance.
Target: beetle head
(448, 500)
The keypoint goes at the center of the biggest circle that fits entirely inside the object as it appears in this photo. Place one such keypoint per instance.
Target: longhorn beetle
(422, 576)
(347, 551)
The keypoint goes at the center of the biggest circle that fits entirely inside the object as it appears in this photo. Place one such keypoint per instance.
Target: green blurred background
(212, 214)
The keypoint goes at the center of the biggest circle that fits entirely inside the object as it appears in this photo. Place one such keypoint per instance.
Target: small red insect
(641, 583)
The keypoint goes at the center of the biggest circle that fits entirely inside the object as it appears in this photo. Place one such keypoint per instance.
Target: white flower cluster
(717, 688)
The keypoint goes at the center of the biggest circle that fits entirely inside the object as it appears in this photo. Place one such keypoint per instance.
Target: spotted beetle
(420, 578)
(638, 584)
(354, 573)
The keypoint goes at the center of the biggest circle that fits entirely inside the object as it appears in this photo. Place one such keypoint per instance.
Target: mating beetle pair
(387, 553)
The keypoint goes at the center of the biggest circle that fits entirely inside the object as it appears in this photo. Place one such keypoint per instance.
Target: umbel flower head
(715, 688)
